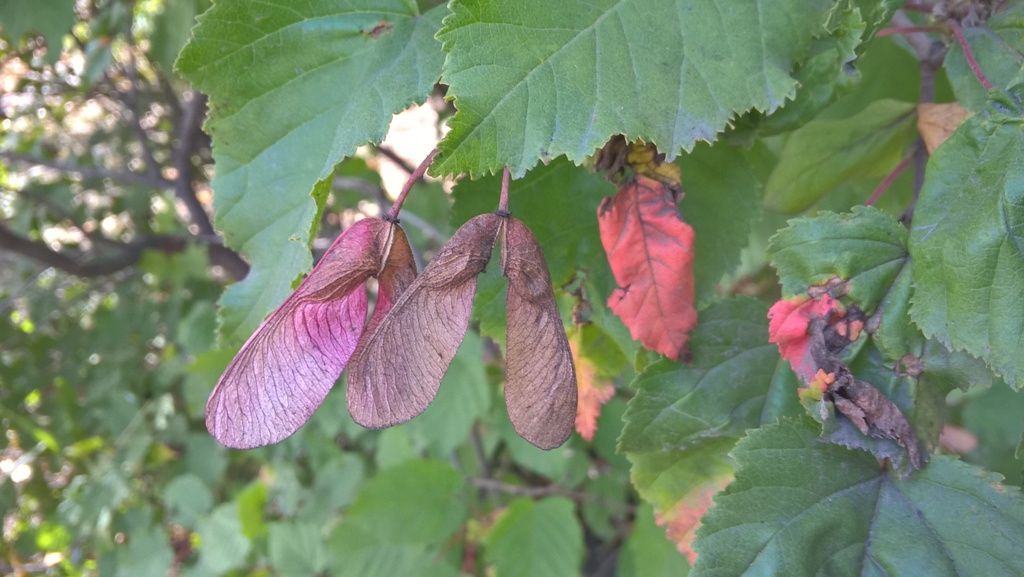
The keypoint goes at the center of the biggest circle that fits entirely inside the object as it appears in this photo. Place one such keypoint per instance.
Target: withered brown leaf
(874, 414)
(398, 366)
(286, 368)
(540, 380)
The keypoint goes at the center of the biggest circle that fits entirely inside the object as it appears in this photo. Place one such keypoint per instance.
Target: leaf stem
(503, 201)
(888, 180)
(910, 30)
(969, 55)
(416, 175)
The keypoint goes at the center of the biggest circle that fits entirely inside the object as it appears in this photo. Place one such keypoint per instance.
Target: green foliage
(838, 514)
(110, 274)
(825, 153)
(547, 528)
(866, 248)
(52, 24)
(535, 81)
(729, 388)
(274, 144)
(967, 243)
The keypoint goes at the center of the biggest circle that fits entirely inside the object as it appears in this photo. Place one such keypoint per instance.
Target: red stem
(503, 201)
(887, 182)
(959, 33)
(919, 6)
(909, 30)
(416, 175)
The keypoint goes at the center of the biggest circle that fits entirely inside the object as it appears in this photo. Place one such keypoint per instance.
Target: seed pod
(540, 379)
(283, 372)
(398, 367)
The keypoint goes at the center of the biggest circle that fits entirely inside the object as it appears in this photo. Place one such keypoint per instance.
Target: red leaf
(787, 327)
(593, 392)
(650, 251)
(286, 368)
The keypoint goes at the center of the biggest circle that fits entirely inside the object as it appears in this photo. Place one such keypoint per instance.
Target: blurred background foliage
(109, 274)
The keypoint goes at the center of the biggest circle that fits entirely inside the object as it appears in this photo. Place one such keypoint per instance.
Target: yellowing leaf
(593, 392)
(936, 122)
(683, 519)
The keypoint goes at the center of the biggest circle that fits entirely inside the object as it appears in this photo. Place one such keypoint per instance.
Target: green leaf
(296, 549)
(223, 544)
(647, 553)
(722, 198)
(147, 554)
(538, 79)
(998, 46)
(967, 242)
(825, 153)
(866, 248)
(394, 446)
(294, 89)
(52, 23)
(353, 552)
(896, 337)
(399, 520)
(186, 498)
(665, 477)
(724, 391)
(171, 29)
(536, 539)
(799, 507)
(251, 502)
(334, 486)
(414, 502)
(996, 416)
(824, 76)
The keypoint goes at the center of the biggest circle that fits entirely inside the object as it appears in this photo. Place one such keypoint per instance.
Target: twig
(127, 254)
(401, 162)
(126, 177)
(548, 491)
(968, 54)
(920, 165)
(503, 199)
(910, 30)
(919, 41)
(370, 190)
(423, 226)
(132, 101)
(63, 214)
(888, 180)
(415, 176)
(182, 157)
(919, 7)
(485, 467)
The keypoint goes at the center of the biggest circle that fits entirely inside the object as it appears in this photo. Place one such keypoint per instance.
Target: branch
(401, 162)
(128, 254)
(919, 41)
(39, 252)
(132, 101)
(370, 190)
(548, 491)
(87, 172)
(888, 180)
(188, 132)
